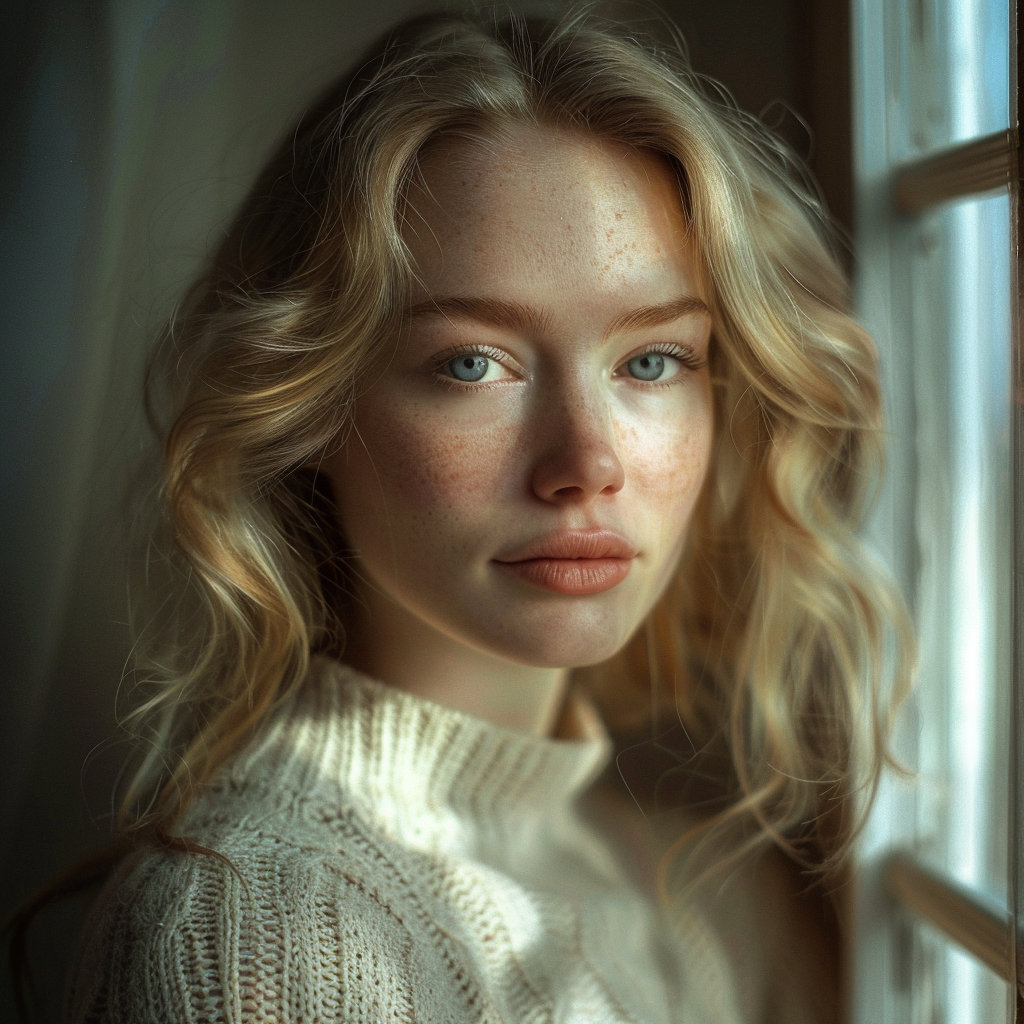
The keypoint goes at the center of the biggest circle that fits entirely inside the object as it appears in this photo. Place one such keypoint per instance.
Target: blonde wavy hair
(779, 642)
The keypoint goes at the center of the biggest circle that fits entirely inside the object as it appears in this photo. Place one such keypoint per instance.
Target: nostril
(570, 493)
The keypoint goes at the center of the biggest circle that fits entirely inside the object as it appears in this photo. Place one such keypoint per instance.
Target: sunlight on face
(523, 465)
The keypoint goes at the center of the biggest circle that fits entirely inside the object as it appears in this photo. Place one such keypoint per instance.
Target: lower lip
(577, 576)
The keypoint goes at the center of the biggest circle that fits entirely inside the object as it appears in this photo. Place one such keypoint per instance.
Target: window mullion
(974, 168)
(957, 913)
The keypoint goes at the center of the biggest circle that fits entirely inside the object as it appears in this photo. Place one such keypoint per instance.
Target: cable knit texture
(394, 860)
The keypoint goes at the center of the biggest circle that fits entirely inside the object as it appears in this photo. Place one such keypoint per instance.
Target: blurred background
(131, 130)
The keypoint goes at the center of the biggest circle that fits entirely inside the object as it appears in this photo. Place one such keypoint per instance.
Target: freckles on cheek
(666, 462)
(434, 462)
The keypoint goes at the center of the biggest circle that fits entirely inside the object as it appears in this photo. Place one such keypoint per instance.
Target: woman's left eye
(469, 369)
(653, 366)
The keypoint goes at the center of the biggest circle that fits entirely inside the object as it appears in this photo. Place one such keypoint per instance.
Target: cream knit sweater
(395, 860)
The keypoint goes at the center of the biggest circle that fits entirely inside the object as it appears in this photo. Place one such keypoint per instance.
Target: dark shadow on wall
(130, 132)
(787, 61)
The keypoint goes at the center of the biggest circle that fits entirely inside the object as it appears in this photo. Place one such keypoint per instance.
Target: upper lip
(592, 543)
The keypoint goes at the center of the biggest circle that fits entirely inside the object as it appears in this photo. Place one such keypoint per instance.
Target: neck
(392, 644)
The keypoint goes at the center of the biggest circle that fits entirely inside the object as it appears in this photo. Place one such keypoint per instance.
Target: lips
(574, 562)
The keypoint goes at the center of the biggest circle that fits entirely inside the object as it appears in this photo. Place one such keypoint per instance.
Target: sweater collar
(425, 773)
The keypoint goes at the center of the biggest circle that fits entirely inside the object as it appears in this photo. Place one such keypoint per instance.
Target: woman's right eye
(473, 368)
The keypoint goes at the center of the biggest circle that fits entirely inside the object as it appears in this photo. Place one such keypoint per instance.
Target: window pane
(960, 278)
(959, 287)
(950, 986)
(954, 76)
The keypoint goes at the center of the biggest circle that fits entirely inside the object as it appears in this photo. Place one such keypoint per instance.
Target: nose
(578, 460)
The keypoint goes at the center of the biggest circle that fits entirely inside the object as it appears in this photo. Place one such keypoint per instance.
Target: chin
(561, 642)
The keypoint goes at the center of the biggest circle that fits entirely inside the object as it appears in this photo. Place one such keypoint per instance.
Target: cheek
(667, 456)
(423, 462)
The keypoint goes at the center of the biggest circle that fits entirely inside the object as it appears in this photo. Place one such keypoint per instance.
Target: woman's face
(524, 460)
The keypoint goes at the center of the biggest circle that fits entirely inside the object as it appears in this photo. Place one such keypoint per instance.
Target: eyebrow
(655, 316)
(519, 317)
(498, 313)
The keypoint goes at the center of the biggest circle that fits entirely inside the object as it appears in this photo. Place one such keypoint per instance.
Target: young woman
(522, 393)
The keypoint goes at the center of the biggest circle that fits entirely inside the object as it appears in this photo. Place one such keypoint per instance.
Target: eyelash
(685, 356)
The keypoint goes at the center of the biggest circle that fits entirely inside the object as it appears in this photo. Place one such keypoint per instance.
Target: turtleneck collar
(426, 774)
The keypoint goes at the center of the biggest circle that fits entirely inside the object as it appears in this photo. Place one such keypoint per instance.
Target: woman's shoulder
(277, 901)
(273, 928)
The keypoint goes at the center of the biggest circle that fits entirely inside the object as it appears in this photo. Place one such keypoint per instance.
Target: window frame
(965, 170)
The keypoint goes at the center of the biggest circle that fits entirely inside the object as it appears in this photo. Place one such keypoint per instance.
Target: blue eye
(649, 366)
(468, 368)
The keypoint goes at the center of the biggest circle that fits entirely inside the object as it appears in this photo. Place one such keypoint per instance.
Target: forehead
(548, 210)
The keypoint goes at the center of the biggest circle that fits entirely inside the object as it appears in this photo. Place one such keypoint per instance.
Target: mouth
(573, 562)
